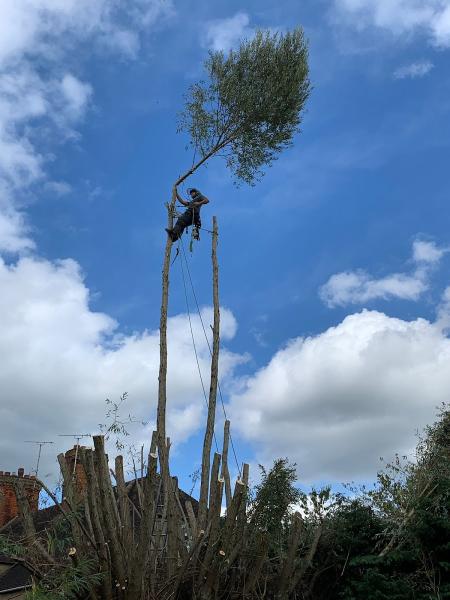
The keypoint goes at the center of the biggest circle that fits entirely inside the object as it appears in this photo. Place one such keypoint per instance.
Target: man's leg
(180, 226)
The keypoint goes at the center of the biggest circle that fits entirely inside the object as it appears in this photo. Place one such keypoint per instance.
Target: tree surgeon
(191, 216)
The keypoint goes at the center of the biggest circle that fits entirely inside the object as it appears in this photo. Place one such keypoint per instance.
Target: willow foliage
(252, 103)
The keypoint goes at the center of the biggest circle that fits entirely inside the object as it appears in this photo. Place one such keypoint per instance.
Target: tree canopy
(252, 103)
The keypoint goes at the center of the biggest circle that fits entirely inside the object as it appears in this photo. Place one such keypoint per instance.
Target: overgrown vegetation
(391, 541)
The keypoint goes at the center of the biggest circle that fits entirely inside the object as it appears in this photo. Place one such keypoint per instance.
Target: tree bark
(225, 471)
(214, 476)
(209, 432)
(289, 562)
(162, 378)
(110, 512)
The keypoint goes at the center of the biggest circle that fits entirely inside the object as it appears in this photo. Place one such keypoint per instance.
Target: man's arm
(180, 199)
(204, 200)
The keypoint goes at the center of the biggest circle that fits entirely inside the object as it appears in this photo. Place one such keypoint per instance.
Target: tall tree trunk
(225, 472)
(209, 432)
(162, 378)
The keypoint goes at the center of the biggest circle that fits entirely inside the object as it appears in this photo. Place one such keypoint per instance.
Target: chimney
(8, 502)
(78, 473)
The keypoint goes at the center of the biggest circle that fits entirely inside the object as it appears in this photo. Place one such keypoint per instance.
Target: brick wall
(80, 479)
(8, 502)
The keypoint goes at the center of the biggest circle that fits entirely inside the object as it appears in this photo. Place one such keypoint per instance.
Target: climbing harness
(195, 233)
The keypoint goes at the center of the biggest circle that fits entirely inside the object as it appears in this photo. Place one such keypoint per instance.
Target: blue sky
(334, 268)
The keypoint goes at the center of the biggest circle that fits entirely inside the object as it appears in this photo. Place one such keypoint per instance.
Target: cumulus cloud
(40, 33)
(358, 287)
(43, 26)
(76, 94)
(12, 228)
(338, 401)
(223, 34)
(430, 18)
(414, 70)
(61, 360)
(427, 252)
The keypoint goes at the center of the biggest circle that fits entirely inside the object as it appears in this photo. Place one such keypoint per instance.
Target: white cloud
(355, 287)
(414, 70)
(336, 402)
(12, 229)
(33, 26)
(427, 252)
(60, 188)
(358, 287)
(35, 38)
(443, 320)
(122, 40)
(223, 34)
(60, 360)
(76, 94)
(430, 18)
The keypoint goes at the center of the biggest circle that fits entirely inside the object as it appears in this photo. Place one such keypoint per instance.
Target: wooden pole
(209, 432)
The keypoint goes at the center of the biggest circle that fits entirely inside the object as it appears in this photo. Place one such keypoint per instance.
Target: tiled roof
(17, 577)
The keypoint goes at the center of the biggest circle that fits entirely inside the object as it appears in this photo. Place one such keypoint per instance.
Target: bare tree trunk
(258, 564)
(307, 561)
(192, 520)
(207, 443)
(289, 562)
(172, 529)
(102, 547)
(142, 549)
(28, 524)
(214, 476)
(229, 530)
(208, 572)
(110, 512)
(124, 509)
(162, 379)
(225, 471)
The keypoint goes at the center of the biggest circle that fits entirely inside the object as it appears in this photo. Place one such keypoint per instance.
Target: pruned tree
(247, 110)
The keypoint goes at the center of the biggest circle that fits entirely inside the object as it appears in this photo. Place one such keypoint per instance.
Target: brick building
(8, 502)
(15, 577)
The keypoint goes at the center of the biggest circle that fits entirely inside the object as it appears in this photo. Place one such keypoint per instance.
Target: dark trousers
(184, 221)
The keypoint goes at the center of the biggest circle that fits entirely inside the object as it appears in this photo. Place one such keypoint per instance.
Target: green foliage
(273, 499)
(10, 547)
(116, 426)
(412, 500)
(67, 583)
(62, 581)
(251, 106)
(59, 535)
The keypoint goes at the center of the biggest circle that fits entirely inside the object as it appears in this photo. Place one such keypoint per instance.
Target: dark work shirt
(196, 209)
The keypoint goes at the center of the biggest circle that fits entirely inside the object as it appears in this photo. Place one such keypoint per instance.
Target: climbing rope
(193, 342)
(209, 347)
